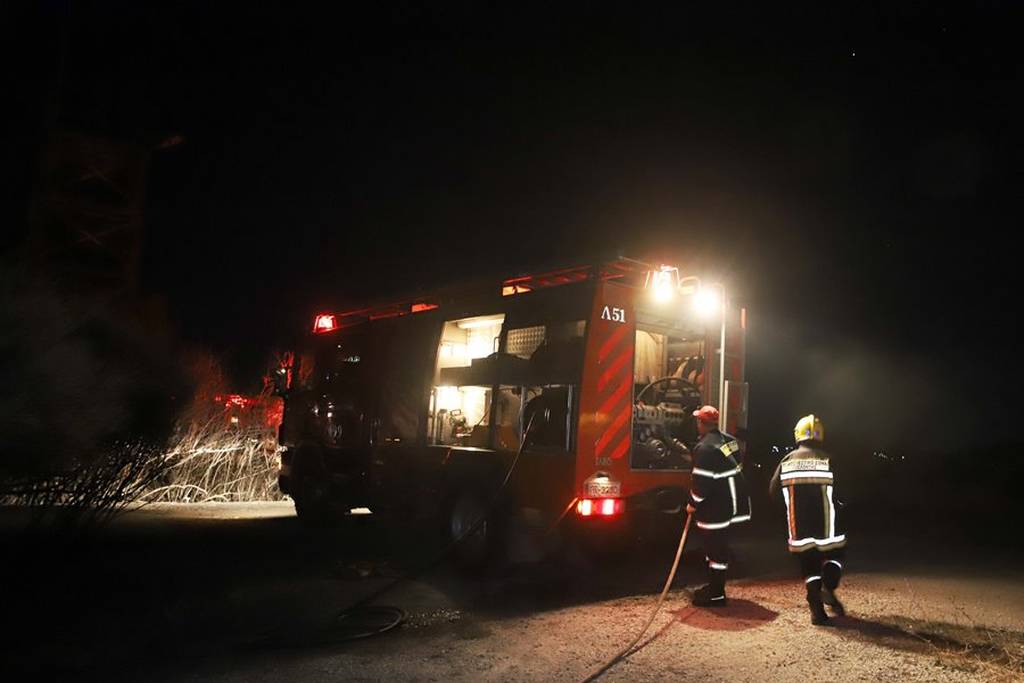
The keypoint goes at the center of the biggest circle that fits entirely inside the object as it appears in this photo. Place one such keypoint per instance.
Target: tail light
(600, 507)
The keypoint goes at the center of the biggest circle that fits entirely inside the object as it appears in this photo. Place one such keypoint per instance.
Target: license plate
(603, 489)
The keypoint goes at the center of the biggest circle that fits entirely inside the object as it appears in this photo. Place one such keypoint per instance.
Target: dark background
(851, 170)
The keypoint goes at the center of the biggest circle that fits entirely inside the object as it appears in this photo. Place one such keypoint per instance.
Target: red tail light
(600, 507)
(325, 322)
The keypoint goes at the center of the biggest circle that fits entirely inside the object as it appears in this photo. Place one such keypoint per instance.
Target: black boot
(710, 595)
(831, 574)
(830, 599)
(818, 616)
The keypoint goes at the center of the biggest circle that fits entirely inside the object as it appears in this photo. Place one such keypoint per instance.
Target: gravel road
(243, 593)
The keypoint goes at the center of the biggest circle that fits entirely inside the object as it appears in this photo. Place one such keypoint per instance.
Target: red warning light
(324, 322)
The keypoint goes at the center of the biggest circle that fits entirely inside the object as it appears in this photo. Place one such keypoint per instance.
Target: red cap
(706, 414)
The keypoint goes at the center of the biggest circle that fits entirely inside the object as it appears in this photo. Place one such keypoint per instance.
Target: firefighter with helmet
(815, 535)
(718, 499)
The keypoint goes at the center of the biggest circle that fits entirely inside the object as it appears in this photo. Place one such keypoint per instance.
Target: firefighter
(815, 536)
(718, 499)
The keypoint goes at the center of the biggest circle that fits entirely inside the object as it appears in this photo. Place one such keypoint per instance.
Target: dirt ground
(243, 593)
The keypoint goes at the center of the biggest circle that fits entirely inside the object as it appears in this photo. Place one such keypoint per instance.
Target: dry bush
(86, 383)
(218, 452)
(217, 462)
(90, 492)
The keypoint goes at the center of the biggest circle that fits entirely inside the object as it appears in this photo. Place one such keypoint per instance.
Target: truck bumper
(649, 517)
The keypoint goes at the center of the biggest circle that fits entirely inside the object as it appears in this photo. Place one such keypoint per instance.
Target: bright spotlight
(663, 282)
(663, 291)
(708, 302)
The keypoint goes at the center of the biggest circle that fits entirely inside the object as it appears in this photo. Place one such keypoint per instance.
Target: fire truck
(584, 377)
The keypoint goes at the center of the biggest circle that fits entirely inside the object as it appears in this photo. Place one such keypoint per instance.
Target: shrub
(225, 445)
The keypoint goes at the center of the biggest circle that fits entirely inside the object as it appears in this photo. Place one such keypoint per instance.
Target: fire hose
(396, 616)
(363, 608)
(626, 651)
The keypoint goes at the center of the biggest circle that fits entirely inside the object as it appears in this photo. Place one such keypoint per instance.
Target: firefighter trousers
(821, 569)
(717, 554)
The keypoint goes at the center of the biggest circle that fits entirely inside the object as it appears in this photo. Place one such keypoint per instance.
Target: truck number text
(616, 315)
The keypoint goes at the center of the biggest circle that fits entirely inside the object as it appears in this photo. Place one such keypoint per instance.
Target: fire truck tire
(310, 492)
(311, 502)
(478, 547)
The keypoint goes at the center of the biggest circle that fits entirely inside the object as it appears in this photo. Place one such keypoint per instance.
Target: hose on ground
(362, 606)
(626, 651)
(395, 617)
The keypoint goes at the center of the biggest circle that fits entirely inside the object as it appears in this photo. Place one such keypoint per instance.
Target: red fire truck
(418, 408)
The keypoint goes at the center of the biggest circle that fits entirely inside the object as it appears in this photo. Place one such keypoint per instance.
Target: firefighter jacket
(806, 480)
(718, 491)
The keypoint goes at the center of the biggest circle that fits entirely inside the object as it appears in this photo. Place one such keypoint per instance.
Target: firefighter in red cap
(815, 535)
(718, 499)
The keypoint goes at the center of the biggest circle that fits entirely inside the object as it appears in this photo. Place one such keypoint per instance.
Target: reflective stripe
(817, 541)
(715, 475)
(732, 492)
(741, 518)
(831, 513)
(835, 562)
(713, 525)
(812, 578)
(806, 481)
(720, 597)
(789, 513)
(826, 512)
(696, 498)
(794, 464)
(718, 565)
(806, 474)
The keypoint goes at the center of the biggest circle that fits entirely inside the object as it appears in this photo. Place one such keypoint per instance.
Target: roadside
(763, 635)
(243, 592)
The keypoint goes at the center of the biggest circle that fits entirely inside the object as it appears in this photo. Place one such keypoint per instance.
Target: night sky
(852, 170)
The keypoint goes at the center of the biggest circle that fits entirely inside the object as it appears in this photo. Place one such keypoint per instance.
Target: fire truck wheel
(311, 501)
(477, 546)
(310, 507)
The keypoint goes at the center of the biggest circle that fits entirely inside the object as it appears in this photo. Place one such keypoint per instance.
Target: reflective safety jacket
(805, 478)
(718, 491)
